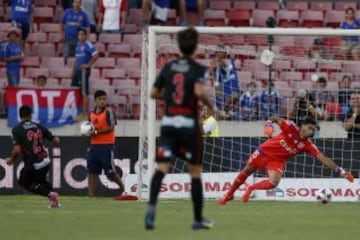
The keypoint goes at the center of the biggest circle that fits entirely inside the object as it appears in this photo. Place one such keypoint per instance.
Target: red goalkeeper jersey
(287, 144)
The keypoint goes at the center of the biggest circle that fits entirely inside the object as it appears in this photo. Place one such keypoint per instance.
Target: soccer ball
(323, 196)
(86, 128)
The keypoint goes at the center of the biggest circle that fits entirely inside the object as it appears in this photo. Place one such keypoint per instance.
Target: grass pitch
(27, 217)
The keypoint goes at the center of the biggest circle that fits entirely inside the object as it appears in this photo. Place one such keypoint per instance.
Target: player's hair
(188, 40)
(322, 80)
(349, 9)
(82, 30)
(307, 121)
(41, 77)
(99, 93)
(25, 111)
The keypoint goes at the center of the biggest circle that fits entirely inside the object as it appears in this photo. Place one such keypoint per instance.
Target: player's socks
(150, 217)
(154, 192)
(155, 186)
(54, 200)
(262, 185)
(240, 179)
(197, 198)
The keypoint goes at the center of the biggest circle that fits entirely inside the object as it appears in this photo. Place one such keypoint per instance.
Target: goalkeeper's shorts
(261, 161)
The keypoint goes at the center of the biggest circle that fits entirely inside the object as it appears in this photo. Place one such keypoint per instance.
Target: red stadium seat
(274, 49)
(50, 27)
(209, 39)
(304, 65)
(110, 38)
(334, 18)
(284, 41)
(296, 51)
(43, 14)
(264, 75)
(245, 5)
(288, 18)
(333, 66)
(253, 65)
(284, 89)
(35, 72)
(52, 82)
(31, 62)
(54, 38)
(61, 73)
(134, 73)
(260, 17)
(4, 26)
(237, 18)
(105, 63)
(306, 42)
(342, 6)
(332, 41)
(307, 84)
(38, 37)
(214, 17)
(312, 18)
(256, 40)
(95, 74)
(27, 82)
(45, 3)
(129, 29)
(113, 73)
(321, 6)
(268, 5)
(133, 39)
(119, 50)
(59, 12)
(291, 76)
(220, 5)
(232, 39)
(297, 5)
(281, 65)
(43, 50)
(119, 84)
(171, 18)
(126, 63)
(351, 67)
(135, 102)
(65, 82)
(52, 62)
(245, 76)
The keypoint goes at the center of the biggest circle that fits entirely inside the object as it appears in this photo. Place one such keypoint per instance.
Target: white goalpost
(291, 72)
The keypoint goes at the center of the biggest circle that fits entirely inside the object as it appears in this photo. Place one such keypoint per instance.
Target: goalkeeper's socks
(155, 186)
(262, 185)
(197, 198)
(240, 179)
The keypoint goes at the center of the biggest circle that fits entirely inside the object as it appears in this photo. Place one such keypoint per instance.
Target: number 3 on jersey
(178, 81)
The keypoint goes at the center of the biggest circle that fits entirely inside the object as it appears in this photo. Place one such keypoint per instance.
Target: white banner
(216, 184)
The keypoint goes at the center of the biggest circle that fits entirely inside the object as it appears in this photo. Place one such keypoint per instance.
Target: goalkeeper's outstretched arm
(332, 165)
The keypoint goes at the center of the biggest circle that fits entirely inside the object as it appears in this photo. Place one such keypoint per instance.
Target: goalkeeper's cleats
(350, 177)
(247, 194)
(225, 199)
(204, 224)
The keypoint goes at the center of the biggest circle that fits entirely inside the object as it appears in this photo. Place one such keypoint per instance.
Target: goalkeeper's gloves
(268, 129)
(344, 174)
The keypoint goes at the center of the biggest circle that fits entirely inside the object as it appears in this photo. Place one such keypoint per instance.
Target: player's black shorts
(99, 157)
(175, 143)
(29, 176)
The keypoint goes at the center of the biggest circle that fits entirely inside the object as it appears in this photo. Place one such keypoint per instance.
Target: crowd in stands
(41, 45)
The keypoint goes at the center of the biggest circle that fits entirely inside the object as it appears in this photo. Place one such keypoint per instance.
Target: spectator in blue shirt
(13, 56)
(191, 5)
(21, 16)
(250, 103)
(85, 57)
(269, 103)
(226, 83)
(350, 45)
(73, 19)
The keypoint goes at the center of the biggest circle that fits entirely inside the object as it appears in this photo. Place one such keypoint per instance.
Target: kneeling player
(274, 153)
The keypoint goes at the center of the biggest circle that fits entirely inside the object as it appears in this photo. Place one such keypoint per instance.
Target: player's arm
(111, 122)
(158, 90)
(16, 151)
(332, 165)
(201, 93)
(49, 136)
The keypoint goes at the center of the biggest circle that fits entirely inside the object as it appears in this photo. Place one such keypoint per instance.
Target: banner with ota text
(51, 107)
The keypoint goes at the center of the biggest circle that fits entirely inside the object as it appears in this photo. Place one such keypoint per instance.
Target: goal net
(303, 69)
